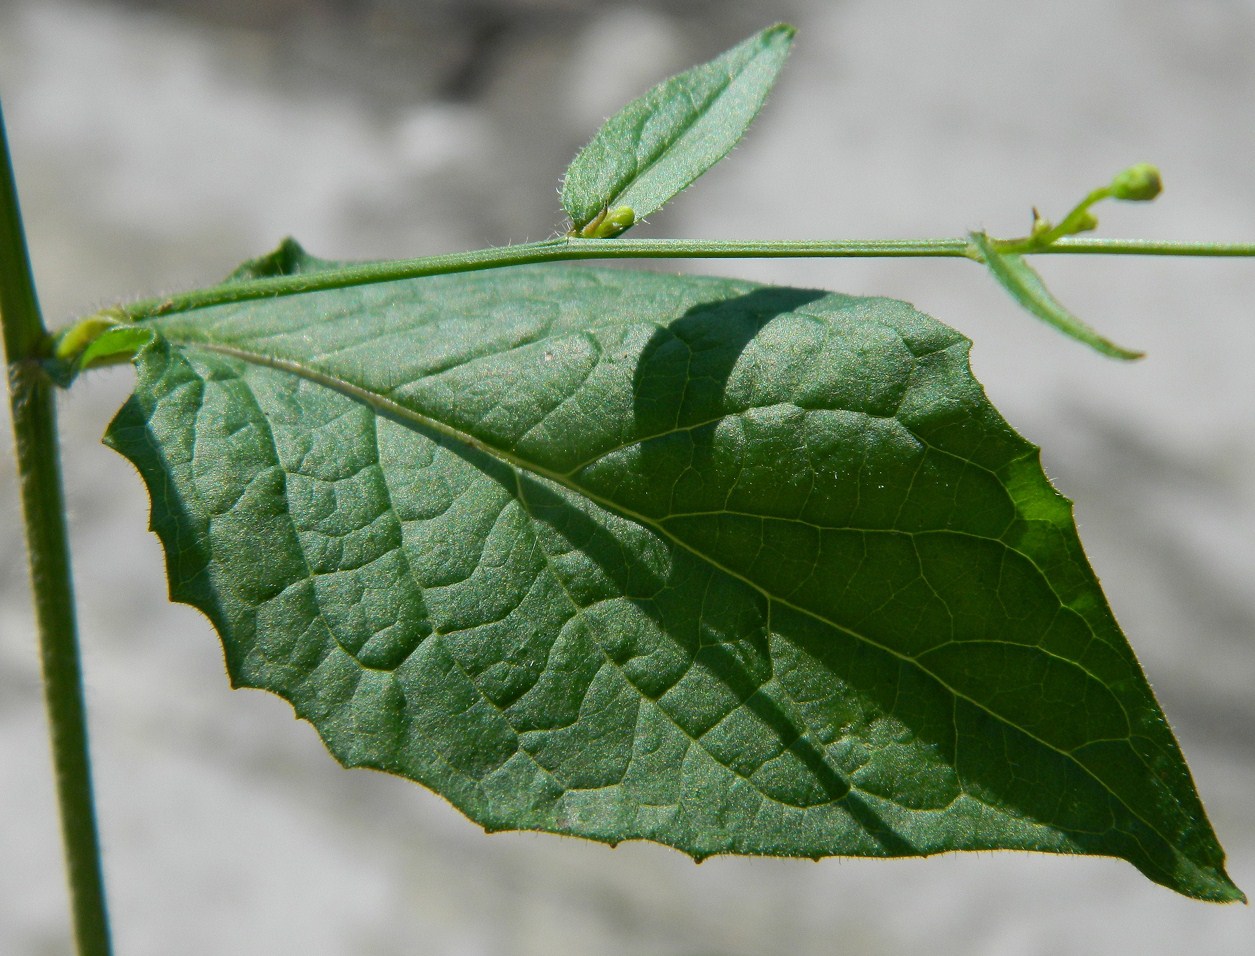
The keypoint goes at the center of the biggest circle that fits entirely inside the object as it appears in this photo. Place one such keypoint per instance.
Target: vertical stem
(39, 470)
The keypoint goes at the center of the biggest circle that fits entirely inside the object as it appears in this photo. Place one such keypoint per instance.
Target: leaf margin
(204, 609)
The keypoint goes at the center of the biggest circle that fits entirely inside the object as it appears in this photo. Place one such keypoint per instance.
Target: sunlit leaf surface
(734, 568)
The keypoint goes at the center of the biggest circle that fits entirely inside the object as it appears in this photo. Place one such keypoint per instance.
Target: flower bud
(607, 224)
(1137, 183)
(617, 220)
(1085, 222)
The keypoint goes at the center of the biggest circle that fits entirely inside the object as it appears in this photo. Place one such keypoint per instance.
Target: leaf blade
(660, 143)
(1021, 280)
(625, 577)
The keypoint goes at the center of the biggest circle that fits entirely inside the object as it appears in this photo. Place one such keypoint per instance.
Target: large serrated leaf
(733, 568)
(659, 144)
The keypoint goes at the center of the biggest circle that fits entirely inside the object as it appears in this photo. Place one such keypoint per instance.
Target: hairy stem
(570, 248)
(549, 250)
(39, 470)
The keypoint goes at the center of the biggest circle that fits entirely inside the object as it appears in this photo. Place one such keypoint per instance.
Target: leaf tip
(1128, 355)
(1216, 886)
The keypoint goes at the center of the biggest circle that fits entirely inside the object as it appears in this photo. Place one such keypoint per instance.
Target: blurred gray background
(159, 143)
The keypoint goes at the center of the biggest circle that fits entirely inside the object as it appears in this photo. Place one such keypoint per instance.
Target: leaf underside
(657, 145)
(733, 568)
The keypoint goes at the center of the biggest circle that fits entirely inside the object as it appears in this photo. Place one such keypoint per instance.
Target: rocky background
(159, 143)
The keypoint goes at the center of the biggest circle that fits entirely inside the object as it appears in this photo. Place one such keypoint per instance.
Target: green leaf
(120, 341)
(101, 339)
(734, 568)
(658, 144)
(1026, 287)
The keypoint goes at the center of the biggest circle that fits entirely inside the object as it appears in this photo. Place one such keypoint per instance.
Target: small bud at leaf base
(1137, 183)
(70, 342)
(615, 222)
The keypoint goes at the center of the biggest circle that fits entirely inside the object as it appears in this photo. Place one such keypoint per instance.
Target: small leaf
(1026, 287)
(734, 568)
(119, 341)
(657, 145)
(104, 338)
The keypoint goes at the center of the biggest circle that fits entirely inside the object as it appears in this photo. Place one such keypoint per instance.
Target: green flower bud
(610, 223)
(622, 217)
(1137, 183)
(1085, 222)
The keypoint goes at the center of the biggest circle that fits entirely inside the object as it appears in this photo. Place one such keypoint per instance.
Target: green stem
(39, 470)
(548, 250)
(1146, 247)
(569, 248)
